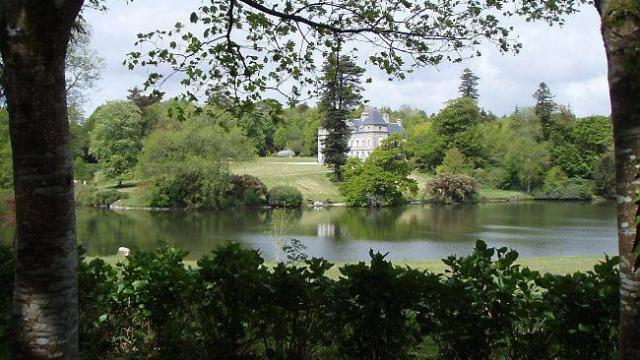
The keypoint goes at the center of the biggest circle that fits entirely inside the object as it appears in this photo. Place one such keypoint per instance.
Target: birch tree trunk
(621, 35)
(33, 40)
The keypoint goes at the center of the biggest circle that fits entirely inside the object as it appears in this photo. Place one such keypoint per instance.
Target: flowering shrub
(447, 188)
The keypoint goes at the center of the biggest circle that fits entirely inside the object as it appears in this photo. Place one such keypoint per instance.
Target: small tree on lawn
(117, 139)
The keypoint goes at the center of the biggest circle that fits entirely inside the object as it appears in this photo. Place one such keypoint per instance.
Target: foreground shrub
(284, 196)
(485, 306)
(235, 285)
(584, 311)
(447, 188)
(374, 309)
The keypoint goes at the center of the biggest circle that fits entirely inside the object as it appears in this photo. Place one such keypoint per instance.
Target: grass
(547, 264)
(504, 195)
(306, 174)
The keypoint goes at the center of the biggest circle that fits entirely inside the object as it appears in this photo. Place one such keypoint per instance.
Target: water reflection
(340, 234)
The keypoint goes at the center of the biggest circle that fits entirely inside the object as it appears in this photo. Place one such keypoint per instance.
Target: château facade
(367, 133)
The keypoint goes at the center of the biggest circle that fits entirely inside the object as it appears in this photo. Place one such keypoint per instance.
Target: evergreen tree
(340, 95)
(544, 108)
(469, 84)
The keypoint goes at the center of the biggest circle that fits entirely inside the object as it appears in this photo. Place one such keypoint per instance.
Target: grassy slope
(303, 173)
(556, 265)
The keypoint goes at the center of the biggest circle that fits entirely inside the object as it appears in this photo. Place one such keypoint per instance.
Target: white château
(367, 133)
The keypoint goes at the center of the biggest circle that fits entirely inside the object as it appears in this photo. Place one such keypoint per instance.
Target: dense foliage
(116, 138)
(232, 306)
(523, 151)
(382, 179)
(284, 196)
(247, 190)
(192, 183)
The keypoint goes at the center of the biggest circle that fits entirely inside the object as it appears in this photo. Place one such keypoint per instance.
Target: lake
(347, 234)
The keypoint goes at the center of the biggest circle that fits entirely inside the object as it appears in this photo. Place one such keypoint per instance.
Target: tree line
(544, 149)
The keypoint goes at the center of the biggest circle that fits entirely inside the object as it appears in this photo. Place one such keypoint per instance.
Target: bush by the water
(89, 195)
(232, 306)
(195, 184)
(569, 189)
(446, 188)
(284, 196)
(246, 190)
(382, 179)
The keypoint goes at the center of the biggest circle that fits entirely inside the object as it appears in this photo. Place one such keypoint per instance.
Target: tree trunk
(33, 41)
(621, 35)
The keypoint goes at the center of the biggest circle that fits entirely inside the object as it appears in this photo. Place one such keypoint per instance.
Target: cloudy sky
(571, 60)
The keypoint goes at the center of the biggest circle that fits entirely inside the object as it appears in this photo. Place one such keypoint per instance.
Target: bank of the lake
(305, 174)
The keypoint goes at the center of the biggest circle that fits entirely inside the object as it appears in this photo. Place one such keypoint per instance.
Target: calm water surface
(344, 234)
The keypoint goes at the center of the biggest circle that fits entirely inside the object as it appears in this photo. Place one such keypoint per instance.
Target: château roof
(371, 116)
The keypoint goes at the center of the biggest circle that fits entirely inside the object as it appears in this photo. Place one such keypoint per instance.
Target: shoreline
(116, 207)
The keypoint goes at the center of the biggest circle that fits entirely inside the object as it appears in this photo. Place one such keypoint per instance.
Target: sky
(570, 59)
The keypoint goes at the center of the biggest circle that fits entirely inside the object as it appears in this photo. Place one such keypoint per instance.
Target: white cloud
(570, 60)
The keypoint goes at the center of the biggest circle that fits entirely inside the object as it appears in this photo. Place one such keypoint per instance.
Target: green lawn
(496, 194)
(301, 172)
(550, 264)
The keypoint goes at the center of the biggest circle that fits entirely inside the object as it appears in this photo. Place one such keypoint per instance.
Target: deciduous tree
(34, 37)
(621, 35)
(116, 138)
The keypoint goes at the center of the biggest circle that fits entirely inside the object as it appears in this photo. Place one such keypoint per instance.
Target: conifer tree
(469, 84)
(340, 95)
(544, 108)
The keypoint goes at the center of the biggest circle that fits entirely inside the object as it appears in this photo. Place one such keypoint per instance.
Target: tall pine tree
(544, 108)
(340, 95)
(469, 84)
